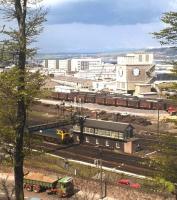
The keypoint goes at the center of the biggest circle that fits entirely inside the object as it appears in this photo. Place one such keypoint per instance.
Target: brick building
(113, 135)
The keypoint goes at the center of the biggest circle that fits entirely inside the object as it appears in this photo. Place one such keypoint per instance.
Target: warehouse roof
(107, 125)
(71, 79)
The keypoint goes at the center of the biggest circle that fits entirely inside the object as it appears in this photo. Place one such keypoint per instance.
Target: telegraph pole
(158, 115)
(101, 173)
(81, 123)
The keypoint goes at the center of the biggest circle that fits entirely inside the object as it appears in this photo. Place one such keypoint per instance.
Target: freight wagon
(110, 101)
(114, 100)
(121, 102)
(133, 103)
(90, 98)
(100, 99)
(145, 104)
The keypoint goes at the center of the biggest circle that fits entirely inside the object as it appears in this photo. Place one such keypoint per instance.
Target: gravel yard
(152, 114)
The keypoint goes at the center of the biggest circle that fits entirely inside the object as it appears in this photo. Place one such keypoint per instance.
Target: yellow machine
(65, 137)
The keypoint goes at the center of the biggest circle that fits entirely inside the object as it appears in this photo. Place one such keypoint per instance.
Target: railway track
(110, 159)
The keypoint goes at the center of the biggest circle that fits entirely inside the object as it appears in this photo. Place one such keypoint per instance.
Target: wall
(91, 139)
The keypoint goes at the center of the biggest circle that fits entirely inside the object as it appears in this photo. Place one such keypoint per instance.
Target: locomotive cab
(64, 136)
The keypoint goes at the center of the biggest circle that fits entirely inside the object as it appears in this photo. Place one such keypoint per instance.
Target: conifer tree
(26, 18)
(166, 160)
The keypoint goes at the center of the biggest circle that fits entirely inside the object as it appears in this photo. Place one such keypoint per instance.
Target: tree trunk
(20, 8)
(21, 121)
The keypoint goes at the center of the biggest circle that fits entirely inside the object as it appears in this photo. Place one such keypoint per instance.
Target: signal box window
(97, 141)
(107, 143)
(87, 139)
(117, 145)
(77, 138)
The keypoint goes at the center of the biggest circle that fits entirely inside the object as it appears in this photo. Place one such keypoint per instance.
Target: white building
(104, 85)
(58, 66)
(65, 89)
(55, 66)
(163, 69)
(164, 74)
(73, 82)
(136, 59)
(77, 64)
(134, 69)
(98, 72)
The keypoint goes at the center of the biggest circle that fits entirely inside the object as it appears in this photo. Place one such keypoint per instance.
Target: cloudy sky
(102, 25)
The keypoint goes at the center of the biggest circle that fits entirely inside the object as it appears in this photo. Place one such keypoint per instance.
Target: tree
(166, 160)
(8, 189)
(168, 35)
(27, 19)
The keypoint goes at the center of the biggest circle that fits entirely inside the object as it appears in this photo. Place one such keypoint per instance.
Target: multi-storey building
(77, 64)
(55, 65)
(70, 65)
(98, 72)
(134, 69)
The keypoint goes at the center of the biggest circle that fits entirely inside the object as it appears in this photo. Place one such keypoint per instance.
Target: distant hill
(159, 53)
(166, 51)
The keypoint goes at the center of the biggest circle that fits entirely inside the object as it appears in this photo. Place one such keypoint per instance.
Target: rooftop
(107, 125)
(70, 79)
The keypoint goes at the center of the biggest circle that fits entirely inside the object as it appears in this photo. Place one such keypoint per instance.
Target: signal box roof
(107, 125)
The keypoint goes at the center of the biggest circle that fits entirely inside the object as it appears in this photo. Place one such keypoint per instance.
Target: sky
(102, 25)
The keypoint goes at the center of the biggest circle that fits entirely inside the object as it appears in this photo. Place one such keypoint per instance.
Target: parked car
(128, 183)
